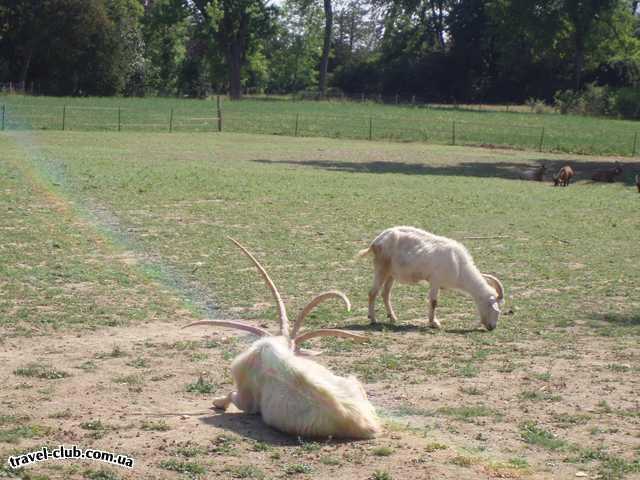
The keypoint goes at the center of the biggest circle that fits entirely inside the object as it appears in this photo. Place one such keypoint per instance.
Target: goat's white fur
(293, 394)
(411, 255)
(299, 396)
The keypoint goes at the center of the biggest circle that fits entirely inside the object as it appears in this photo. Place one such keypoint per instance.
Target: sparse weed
(534, 435)
(381, 475)
(201, 386)
(382, 451)
(38, 370)
(180, 466)
(297, 468)
(155, 426)
(247, 471)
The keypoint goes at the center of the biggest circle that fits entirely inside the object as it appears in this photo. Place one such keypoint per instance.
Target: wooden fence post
(119, 122)
(219, 115)
(3, 114)
(64, 116)
(541, 139)
(635, 137)
(297, 120)
(370, 128)
(171, 120)
(453, 133)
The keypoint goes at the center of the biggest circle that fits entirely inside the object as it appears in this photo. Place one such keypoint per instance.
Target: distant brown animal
(563, 177)
(607, 174)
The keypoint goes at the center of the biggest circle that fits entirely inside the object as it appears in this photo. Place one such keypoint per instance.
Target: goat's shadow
(409, 327)
(387, 327)
(467, 331)
(618, 319)
(252, 426)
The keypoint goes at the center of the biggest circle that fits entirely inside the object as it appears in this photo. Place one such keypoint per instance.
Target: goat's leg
(386, 296)
(223, 402)
(378, 281)
(433, 303)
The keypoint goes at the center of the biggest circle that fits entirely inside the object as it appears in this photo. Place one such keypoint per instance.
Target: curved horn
(314, 303)
(495, 283)
(284, 321)
(232, 324)
(328, 332)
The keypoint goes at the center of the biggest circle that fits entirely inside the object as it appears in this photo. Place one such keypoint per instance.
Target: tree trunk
(24, 71)
(326, 48)
(579, 57)
(235, 69)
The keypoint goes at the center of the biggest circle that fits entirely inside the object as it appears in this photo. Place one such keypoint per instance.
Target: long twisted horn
(328, 332)
(233, 324)
(314, 303)
(495, 283)
(284, 321)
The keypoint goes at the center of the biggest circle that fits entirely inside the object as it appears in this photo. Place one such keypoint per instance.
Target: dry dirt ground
(125, 391)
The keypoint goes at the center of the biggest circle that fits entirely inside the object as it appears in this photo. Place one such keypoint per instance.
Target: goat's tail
(365, 252)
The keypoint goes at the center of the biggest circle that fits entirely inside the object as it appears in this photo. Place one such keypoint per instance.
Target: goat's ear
(493, 303)
(497, 285)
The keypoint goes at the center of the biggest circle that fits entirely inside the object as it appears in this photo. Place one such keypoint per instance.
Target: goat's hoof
(392, 318)
(435, 324)
(220, 403)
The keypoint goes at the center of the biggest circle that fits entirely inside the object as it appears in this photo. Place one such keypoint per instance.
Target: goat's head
(489, 307)
(293, 338)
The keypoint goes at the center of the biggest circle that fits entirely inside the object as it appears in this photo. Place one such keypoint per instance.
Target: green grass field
(336, 119)
(310, 205)
(112, 240)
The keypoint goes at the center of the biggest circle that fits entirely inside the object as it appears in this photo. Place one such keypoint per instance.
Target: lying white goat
(293, 394)
(411, 255)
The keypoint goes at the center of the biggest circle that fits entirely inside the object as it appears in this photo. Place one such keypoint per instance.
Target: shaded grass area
(549, 131)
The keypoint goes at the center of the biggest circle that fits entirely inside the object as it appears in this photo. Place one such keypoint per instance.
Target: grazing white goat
(411, 255)
(293, 394)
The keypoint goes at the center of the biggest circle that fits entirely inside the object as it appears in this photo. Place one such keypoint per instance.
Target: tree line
(440, 50)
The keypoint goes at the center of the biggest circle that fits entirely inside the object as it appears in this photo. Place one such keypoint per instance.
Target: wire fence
(33, 117)
(351, 126)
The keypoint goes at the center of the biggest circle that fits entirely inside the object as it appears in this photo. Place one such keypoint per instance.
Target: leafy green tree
(71, 46)
(238, 27)
(165, 34)
(293, 53)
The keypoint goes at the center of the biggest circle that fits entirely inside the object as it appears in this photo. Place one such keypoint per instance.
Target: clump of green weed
(179, 466)
(534, 435)
(159, 426)
(296, 468)
(201, 386)
(38, 370)
(382, 451)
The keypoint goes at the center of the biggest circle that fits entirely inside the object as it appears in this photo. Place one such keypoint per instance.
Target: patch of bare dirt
(449, 412)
